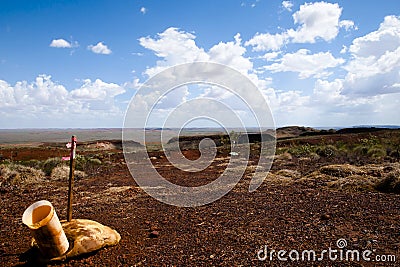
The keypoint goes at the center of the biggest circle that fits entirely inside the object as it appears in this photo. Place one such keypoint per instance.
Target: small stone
(154, 228)
(325, 217)
(154, 234)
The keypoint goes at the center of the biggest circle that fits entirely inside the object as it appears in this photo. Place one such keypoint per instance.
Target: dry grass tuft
(274, 179)
(61, 173)
(289, 173)
(341, 170)
(390, 183)
(15, 174)
(354, 183)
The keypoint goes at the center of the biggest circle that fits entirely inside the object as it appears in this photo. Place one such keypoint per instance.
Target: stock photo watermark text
(338, 253)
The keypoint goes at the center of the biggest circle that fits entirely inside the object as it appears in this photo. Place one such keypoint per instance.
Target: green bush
(327, 151)
(94, 162)
(377, 151)
(50, 164)
(360, 150)
(301, 151)
(31, 163)
(83, 163)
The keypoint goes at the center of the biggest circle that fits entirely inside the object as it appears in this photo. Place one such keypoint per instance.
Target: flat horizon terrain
(37, 136)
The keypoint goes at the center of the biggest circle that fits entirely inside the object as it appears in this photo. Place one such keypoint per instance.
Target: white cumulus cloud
(270, 56)
(348, 25)
(306, 64)
(174, 47)
(231, 54)
(375, 65)
(267, 41)
(46, 103)
(100, 48)
(316, 20)
(287, 5)
(372, 68)
(60, 43)
(97, 90)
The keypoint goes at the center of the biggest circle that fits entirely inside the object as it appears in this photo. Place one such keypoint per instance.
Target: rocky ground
(308, 202)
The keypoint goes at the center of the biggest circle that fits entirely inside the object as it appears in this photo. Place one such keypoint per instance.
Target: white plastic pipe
(42, 220)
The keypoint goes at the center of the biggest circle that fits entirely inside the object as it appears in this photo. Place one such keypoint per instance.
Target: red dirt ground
(228, 232)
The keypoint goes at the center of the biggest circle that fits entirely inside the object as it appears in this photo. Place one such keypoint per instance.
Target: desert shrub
(327, 151)
(301, 151)
(15, 174)
(343, 170)
(289, 173)
(86, 164)
(281, 150)
(50, 164)
(361, 149)
(371, 141)
(61, 173)
(94, 161)
(82, 162)
(286, 156)
(314, 156)
(343, 150)
(393, 153)
(393, 147)
(354, 183)
(390, 183)
(275, 179)
(31, 163)
(376, 151)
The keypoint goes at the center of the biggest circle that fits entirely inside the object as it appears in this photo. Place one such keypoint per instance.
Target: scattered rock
(289, 173)
(325, 217)
(154, 234)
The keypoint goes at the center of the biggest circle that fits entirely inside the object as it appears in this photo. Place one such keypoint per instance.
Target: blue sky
(67, 64)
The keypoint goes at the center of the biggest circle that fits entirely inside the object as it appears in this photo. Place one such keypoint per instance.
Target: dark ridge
(319, 132)
(360, 130)
(254, 138)
(220, 139)
(197, 138)
(296, 131)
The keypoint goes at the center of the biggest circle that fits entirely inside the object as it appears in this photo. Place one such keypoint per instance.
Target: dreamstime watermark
(340, 253)
(151, 103)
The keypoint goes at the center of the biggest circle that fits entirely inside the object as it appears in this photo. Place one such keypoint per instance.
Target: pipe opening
(40, 213)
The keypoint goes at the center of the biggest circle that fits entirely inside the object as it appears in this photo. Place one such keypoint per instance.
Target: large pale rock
(86, 236)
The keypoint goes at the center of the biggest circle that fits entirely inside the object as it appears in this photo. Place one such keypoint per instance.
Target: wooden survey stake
(71, 177)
